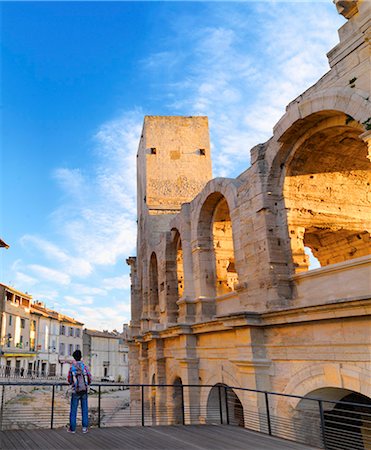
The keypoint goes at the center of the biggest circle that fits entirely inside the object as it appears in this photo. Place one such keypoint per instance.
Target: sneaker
(84, 430)
(70, 431)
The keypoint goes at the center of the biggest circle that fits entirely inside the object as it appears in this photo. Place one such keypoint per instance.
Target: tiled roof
(106, 334)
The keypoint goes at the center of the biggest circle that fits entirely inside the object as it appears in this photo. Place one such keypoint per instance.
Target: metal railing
(333, 425)
(19, 373)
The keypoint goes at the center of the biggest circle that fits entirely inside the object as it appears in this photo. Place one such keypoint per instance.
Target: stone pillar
(190, 376)
(159, 393)
(300, 259)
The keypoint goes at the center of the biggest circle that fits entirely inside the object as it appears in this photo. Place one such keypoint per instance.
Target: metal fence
(16, 373)
(333, 425)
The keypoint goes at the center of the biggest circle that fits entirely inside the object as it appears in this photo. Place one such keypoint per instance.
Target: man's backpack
(80, 381)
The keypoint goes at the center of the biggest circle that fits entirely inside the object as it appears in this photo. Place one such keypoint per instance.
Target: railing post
(220, 404)
(182, 398)
(322, 417)
(2, 407)
(268, 413)
(99, 405)
(52, 415)
(142, 391)
(226, 404)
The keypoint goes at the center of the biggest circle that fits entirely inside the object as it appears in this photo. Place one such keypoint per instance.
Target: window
(61, 348)
(23, 323)
(70, 349)
(10, 320)
(77, 332)
(63, 330)
(77, 347)
(124, 357)
(71, 331)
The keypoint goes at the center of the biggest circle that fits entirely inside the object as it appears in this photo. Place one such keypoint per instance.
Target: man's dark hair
(77, 355)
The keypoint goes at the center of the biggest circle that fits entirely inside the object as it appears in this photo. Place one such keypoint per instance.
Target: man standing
(79, 378)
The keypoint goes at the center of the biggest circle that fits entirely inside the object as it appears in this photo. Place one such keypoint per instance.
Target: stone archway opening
(179, 266)
(177, 402)
(216, 238)
(154, 306)
(153, 400)
(326, 192)
(174, 275)
(223, 406)
(347, 425)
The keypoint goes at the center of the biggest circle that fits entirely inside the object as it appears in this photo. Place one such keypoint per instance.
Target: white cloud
(24, 281)
(78, 301)
(121, 282)
(244, 71)
(87, 290)
(72, 181)
(76, 266)
(107, 318)
(49, 274)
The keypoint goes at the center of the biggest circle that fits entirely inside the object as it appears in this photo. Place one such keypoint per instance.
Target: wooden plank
(191, 437)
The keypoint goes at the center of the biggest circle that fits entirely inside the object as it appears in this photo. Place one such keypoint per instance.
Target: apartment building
(18, 331)
(35, 340)
(106, 354)
(47, 339)
(70, 339)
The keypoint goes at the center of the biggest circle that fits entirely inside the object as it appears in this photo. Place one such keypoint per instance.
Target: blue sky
(77, 79)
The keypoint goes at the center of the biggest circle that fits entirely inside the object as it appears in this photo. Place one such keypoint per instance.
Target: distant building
(17, 332)
(70, 339)
(106, 354)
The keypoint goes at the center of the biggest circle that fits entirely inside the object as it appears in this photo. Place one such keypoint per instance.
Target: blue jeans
(84, 410)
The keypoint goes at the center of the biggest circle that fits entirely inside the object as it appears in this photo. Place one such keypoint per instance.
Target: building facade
(17, 332)
(70, 339)
(222, 293)
(106, 354)
(35, 340)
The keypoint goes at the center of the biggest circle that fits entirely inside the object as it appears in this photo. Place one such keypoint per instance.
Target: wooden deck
(200, 437)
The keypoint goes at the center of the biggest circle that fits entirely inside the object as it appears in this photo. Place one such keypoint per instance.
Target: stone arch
(215, 236)
(347, 415)
(351, 102)
(316, 376)
(153, 400)
(153, 292)
(301, 417)
(323, 160)
(224, 406)
(177, 402)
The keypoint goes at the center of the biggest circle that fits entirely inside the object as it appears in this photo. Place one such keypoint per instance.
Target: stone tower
(174, 162)
(173, 166)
